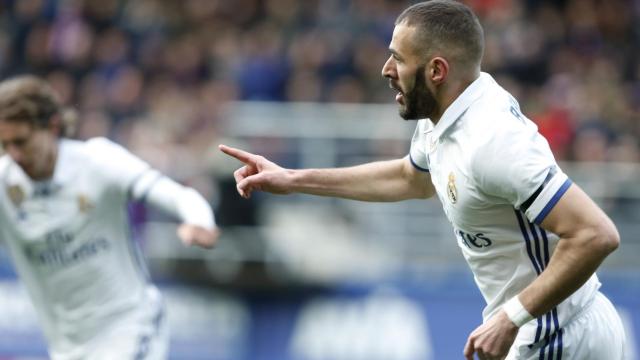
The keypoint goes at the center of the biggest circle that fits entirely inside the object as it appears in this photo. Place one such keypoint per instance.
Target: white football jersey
(497, 180)
(71, 242)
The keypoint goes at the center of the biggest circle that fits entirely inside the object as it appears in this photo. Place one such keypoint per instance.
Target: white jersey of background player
(494, 174)
(63, 216)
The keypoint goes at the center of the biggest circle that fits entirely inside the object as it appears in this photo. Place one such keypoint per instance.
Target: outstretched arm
(130, 175)
(392, 180)
(587, 236)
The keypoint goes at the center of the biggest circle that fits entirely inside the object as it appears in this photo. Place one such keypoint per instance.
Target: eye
(14, 142)
(19, 142)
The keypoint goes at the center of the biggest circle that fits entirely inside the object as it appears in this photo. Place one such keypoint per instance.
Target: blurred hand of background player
(258, 173)
(191, 234)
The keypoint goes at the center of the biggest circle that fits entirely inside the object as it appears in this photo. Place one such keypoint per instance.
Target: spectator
(573, 62)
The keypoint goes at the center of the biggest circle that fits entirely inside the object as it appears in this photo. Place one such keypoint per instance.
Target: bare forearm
(378, 181)
(587, 236)
(392, 180)
(572, 264)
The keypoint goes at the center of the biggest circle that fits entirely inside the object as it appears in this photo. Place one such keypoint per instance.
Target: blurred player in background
(532, 238)
(63, 215)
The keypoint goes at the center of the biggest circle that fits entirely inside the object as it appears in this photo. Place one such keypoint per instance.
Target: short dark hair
(30, 99)
(448, 26)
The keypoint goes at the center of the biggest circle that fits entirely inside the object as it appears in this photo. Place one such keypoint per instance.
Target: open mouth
(399, 95)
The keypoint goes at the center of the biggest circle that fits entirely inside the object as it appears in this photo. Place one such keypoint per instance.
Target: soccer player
(532, 238)
(63, 216)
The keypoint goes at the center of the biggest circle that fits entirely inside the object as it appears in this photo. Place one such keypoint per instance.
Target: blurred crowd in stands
(154, 74)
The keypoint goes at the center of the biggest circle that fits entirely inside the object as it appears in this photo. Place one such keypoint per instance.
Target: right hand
(258, 173)
(191, 234)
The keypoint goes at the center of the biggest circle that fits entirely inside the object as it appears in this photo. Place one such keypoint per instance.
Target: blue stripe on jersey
(525, 205)
(135, 250)
(538, 331)
(535, 234)
(548, 338)
(553, 343)
(553, 339)
(536, 241)
(545, 241)
(145, 339)
(143, 347)
(557, 335)
(416, 165)
(541, 353)
(547, 331)
(135, 181)
(554, 312)
(559, 344)
(536, 265)
(556, 338)
(143, 198)
(554, 200)
(523, 229)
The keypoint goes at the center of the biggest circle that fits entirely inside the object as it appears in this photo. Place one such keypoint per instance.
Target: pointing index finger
(244, 156)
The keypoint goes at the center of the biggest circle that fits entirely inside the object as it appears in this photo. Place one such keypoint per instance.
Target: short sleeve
(121, 167)
(517, 165)
(418, 151)
(545, 198)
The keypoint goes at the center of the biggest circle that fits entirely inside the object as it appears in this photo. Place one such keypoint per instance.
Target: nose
(389, 68)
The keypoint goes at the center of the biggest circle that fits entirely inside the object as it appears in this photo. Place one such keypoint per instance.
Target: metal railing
(328, 239)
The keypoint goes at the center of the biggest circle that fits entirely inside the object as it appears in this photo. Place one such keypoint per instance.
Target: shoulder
(495, 121)
(495, 112)
(102, 145)
(502, 135)
(98, 156)
(115, 159)
(73, 147)
(5, 160)
(87, 152)
(107, 151)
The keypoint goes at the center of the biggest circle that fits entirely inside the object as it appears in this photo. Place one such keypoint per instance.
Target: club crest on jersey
(16, 194)
(84, 205)
(452, 192)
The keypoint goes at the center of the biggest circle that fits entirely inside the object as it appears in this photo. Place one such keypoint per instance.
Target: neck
(49, 164)
(449, 92)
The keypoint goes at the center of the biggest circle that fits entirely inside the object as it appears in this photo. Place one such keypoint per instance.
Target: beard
(420, 103)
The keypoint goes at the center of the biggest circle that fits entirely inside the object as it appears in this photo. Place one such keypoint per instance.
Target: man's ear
(438, 70)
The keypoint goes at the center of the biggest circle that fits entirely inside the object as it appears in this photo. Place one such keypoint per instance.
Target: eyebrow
(395, 53)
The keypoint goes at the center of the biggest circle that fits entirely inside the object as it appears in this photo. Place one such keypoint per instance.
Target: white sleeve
(516, 164)
(418, 152)
(182, 202)
(119, 166)
(139, 181)
(545, 198)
